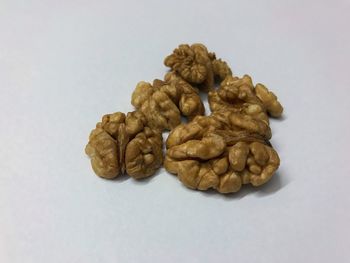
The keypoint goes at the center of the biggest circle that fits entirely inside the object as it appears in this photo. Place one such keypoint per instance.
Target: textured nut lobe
(196, 65)
(222, 151)
(240, 95)
(103, 151)
(125, 144)
(238, 156)
(163, 103)
(207, 148)
(269, 100)
(143, 154)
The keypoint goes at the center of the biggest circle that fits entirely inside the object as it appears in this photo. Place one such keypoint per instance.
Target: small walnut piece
(240, 95)
(196, 65)
(124, 144)
(164, 102)
(222, 151)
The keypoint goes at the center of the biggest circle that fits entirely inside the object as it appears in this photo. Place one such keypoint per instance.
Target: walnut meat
(124, 144)
(222, 151)
(197, 66)
(239, 94)
(164, 102)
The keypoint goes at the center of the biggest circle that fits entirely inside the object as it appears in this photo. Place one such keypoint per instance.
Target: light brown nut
(122, 144)
(196, 65)
(191, 62)
(240, 95)
(269, 100)
(221, 151)
(165, 101)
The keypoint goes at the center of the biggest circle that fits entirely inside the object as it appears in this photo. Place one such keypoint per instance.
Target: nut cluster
(222, 151)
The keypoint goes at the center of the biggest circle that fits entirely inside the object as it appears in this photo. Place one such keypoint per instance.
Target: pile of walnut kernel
(222, 151)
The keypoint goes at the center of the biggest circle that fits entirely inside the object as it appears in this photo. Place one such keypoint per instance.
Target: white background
(63, 64)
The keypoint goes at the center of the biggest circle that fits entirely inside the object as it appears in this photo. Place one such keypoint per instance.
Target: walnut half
(124, 144)
(239, 94)
(164, 102)
(197, 66)
(222, 151)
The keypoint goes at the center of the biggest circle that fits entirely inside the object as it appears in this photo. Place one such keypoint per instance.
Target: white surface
(63, 64)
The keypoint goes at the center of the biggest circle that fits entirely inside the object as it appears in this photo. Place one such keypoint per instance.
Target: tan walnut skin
(195, 64)
(222, 151)
(124, 144)
(164, 102)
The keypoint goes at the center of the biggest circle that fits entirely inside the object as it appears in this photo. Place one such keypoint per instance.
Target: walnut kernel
(122, 144)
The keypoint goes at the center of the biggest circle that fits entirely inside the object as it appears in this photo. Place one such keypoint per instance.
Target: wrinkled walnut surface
(221, 151)
(239, 94)
(164, 102)
(124, 144)
(197, 66)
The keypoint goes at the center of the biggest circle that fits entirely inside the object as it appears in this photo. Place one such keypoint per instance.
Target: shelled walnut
(197, 66)
(164, 102)
(221, 151)
(124, 144)
(240, 95)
